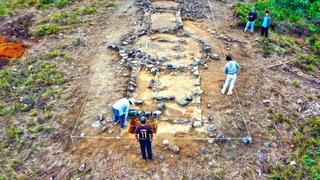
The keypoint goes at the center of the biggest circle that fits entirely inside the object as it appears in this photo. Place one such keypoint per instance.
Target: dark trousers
(146, 145)
(265, 31)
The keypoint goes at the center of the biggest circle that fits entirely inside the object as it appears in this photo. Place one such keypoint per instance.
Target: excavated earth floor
(171, 54)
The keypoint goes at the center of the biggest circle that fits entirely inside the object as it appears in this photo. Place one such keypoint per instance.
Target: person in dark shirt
(144, 137)
(252, 16)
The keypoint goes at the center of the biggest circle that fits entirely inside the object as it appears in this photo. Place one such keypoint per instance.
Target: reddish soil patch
(9, 50)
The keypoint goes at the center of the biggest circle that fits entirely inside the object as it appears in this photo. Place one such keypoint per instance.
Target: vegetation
(297, 17)
(306, 155)
(67, 17)
(300, 17)
(23, 85)
(45, 29)
(26, 86)
(8, 7)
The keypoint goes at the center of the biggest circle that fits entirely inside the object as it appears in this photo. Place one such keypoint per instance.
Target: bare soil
(97, 78)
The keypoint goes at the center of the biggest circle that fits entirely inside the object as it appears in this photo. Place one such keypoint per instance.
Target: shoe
(229, 93)
(222, 92)
(115, 122)
(124, 127)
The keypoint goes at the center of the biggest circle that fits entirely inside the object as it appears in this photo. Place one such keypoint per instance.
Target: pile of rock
(194, 9)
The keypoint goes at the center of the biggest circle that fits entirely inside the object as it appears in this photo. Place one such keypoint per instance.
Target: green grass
(45, 29)
(308, 62)
(64, 18)
(9, 7)
(306, 153)
(26, 82)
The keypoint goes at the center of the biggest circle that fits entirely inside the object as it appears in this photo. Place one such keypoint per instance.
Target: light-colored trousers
(230, 81)
(249, 25)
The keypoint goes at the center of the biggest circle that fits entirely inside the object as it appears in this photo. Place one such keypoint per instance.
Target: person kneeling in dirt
(120, 110)
(252, 16)
(231, 69)
(144, 136)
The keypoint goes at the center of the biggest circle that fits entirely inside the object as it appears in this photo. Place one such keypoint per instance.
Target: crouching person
(120, 110)
(144, 136)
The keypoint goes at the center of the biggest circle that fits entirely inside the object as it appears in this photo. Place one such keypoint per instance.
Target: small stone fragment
(197, 124)
(174, 148)
(165, 142)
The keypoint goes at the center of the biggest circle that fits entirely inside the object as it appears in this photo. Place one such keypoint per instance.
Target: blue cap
(143, 119)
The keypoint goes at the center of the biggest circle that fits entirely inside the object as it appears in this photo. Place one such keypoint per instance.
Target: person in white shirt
(120, 110)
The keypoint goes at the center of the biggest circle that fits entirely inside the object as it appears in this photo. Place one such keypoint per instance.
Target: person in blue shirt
(252, 16)
(231, 69)
(265, 24)
(120, 110)
(144, 135)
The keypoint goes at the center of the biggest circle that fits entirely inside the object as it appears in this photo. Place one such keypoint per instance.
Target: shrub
(45, 29)
(64, 18)
(292, 15)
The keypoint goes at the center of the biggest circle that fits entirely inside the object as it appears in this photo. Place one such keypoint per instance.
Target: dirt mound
(17, 26)
(10, 50)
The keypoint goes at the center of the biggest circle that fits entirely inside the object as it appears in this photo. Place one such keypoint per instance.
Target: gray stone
(161, 106)
(180, 55)
(170, 98)
(266, 102)
(267, 144)
(181, 121)
(189, 98)
(197, 124)
(128, 147)
(154, 70)
(183, 102)
(197, 100)
(196, 73)
(139, 102)
(197, 83)
(165, 142)
(204, 150)
(211, 140)
(174, 148)
(206, 48)
(82, 167)
(215, 56)
(131, 88)
(210, 117)
(96, 124)
(221, 138)
(160, 98)
(156, 177)
(212, 128)
(156, 114)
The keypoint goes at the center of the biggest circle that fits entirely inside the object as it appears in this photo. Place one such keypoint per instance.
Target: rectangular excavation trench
(181, 51)
(175, 117)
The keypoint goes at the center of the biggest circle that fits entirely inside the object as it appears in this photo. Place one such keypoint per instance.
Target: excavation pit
(176, 85)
